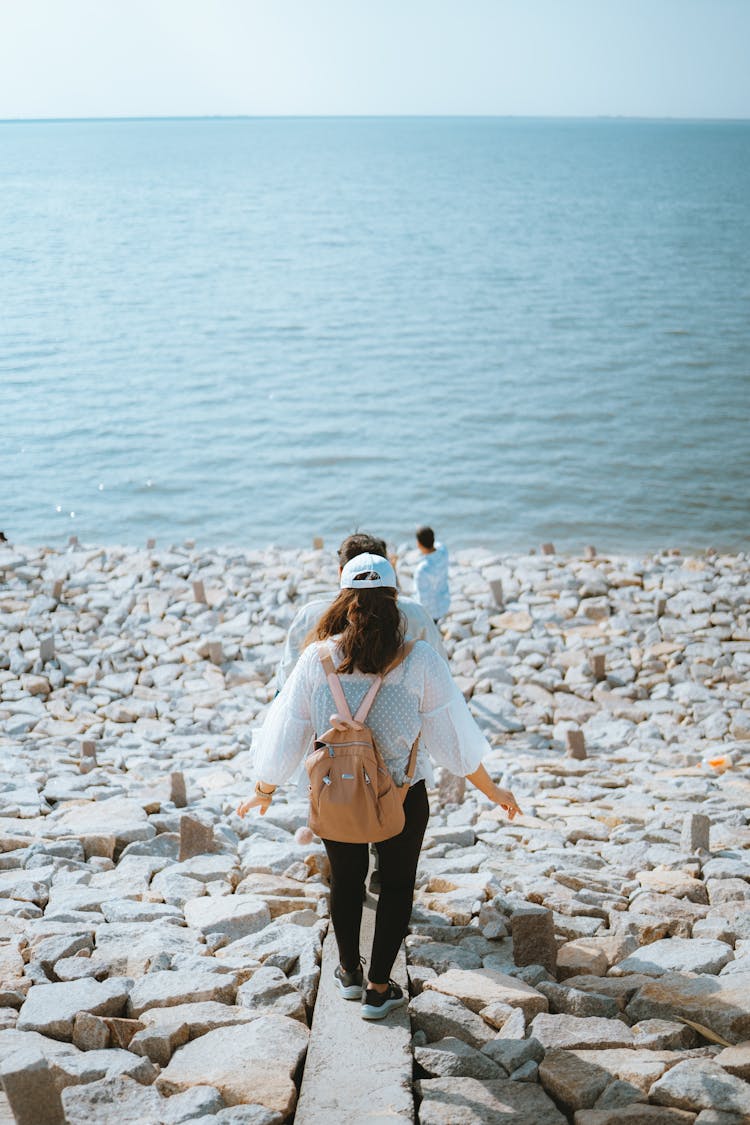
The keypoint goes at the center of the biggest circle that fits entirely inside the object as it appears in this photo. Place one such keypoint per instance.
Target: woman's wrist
(264, 790)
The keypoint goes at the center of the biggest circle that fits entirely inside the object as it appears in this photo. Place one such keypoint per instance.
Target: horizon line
(370, 117)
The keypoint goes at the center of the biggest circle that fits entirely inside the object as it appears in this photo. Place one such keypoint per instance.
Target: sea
(250, 332)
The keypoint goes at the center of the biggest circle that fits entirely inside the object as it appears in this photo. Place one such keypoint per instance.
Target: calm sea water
(255, 331)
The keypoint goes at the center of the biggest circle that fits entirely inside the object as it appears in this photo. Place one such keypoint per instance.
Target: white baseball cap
(367, 572)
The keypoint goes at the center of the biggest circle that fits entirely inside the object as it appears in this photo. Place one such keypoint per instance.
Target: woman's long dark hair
(369, 628)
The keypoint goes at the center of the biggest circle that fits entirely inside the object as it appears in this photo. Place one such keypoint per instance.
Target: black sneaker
(376, 1004)
(350, 984)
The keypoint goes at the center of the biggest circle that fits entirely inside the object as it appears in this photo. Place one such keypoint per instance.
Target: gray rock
(478, 988)
(513, 1053)
(573, 1002)
(251, 1063)
(30, 1089)
(736, 1060)
(695, 833)
(112, 1101)
(442, 1017)
(701, 1084)
(533, 932)
(634, 1115)
(197, 1102)
(242, 1115)
(453, 1058)
(718, 1117)
(571, 1032)
(572, 1082)
(165, 989)
(267, 991)
(719, 1003)
(466, 1101)
(51, 1008)
(688, 955)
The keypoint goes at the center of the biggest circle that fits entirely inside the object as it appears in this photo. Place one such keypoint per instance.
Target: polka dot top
(417, 698)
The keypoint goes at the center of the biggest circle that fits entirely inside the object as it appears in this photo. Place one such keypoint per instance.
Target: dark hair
(426, 537)
(369, 628)
(360, 544)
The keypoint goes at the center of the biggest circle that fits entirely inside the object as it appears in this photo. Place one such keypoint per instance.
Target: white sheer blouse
(418, 697)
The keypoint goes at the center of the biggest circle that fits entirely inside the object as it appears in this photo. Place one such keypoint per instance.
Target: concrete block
(599, 666)
(196, 838)
(533, 932)
(47, 648)
(30, 1089)
(451, 789)
(178, 790)
(88, 760)
(576, 744)
(199, 592)
(496, 586)
(695, 832)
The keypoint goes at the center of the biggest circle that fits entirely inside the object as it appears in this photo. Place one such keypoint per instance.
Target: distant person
(419, 625)
(357, 648)
(431, 575)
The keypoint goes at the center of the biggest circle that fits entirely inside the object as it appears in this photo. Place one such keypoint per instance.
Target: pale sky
(112, 58)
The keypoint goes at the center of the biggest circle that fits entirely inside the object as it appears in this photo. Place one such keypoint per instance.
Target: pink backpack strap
(337, 691)
(334, 684)
(367, 702)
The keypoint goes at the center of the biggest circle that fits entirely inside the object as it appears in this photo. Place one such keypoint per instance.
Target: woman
(363, 632)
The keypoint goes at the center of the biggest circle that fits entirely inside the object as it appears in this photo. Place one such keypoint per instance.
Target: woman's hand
(502, 797)
(255, 802)
(505, 799)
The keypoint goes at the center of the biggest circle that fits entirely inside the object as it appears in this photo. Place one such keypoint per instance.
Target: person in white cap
(363, 633)
(418, 624)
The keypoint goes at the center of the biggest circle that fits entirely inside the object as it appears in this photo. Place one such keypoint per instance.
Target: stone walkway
(356, 1070)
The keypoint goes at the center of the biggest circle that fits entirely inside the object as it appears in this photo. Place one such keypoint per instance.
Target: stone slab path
(356, 1070)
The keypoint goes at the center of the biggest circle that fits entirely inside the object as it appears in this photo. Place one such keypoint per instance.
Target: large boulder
(52, 1008)
(252, 1063)
(166, 988)
(672, 955)
(720, 1003)
(476, 988)
(571, 1032)
(232, 916)
(466, 1101)
(440, 1016)
(698, 1084)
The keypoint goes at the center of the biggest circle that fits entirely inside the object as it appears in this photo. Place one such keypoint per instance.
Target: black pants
(398, 871)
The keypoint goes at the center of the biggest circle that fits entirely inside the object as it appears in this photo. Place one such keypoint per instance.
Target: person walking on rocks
(431, 575)
(357, 661)
(418, 624)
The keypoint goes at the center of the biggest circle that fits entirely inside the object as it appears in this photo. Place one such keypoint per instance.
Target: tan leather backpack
(353, 798)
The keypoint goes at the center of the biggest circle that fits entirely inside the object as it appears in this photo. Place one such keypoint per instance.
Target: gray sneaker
(350, 984)
(376, 1005)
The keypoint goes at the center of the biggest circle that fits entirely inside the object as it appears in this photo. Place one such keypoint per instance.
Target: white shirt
(419, 627)
(418, 697)
(431, 582)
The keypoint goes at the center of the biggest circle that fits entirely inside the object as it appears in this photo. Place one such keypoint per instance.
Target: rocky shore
(159, 958)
